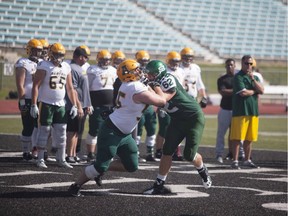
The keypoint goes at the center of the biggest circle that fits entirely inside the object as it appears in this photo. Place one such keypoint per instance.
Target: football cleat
(98, 180)
(41, 164)
(27, 156)
(206, 179)
(208, 183)
(150, 158)
(157, 189)
(250, 164)
(64, 164)
(74, 190)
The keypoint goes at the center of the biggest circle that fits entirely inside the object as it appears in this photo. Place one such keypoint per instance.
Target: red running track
(10, 107)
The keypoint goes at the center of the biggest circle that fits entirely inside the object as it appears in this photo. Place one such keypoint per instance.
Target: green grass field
(272, 131)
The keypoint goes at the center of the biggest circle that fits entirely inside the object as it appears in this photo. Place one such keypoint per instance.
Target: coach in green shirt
(244, 125)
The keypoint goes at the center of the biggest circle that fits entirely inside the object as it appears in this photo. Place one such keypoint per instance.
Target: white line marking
(29, 172)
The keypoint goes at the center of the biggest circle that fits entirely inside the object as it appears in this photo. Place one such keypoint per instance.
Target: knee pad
(59, 134)
(150, 140)
(42, 136)
(91, 172)
(91, 140)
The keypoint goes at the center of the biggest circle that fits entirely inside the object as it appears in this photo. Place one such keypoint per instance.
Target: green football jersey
(181, 105)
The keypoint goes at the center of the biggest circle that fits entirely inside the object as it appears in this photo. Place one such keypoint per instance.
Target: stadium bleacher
(215, 29)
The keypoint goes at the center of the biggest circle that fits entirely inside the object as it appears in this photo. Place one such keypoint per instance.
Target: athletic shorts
(244, 128)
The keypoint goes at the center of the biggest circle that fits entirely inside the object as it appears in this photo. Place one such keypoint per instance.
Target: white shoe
(49, 159)
(41, 164)
(220, 159)
(64, 164)
(208, 183)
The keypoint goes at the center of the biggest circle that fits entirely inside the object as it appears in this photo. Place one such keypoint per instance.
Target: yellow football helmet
(129, 70)
(173, 59)
(142, 57)
(103, 58)
(45, 43)
(187, 55)
(45, 50)
(32, 45)
(117, 57)
(57, 53)
(187, 51)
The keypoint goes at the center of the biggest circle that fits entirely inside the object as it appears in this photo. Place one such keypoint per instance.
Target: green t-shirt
(181, 106)
(247, 105)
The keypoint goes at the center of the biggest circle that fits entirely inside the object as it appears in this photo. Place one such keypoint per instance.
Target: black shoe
(235, 165)
(91, 157)
(27, 156)
(229, 156)
(70, 159)
(157, 189)
(98, 180)
(176, 157)
(74, 190)
(141, 160)
(158, 153)
(150, 158)
(77, 159)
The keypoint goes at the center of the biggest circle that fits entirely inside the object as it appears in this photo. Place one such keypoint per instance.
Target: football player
(192, 76)
(101, 78)
(115, 134)
(187, 121)
(51, 81)
(148, 119)
(173, 60)
(25, 69)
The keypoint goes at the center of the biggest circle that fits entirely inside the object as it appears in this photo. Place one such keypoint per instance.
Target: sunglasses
(248, 63)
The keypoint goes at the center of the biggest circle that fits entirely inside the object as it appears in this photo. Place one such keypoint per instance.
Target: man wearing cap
(75, 126)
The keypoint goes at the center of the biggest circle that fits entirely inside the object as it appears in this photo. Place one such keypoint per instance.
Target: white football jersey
(128, 113)
(101, 79)
(52, 90)
(192, 79)
(178, 73)
(30, 68)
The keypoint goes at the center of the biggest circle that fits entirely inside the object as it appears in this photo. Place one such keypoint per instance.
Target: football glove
(34, 111)
(203, 102)
(22, 106)
(90, 110)
(73, 112)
